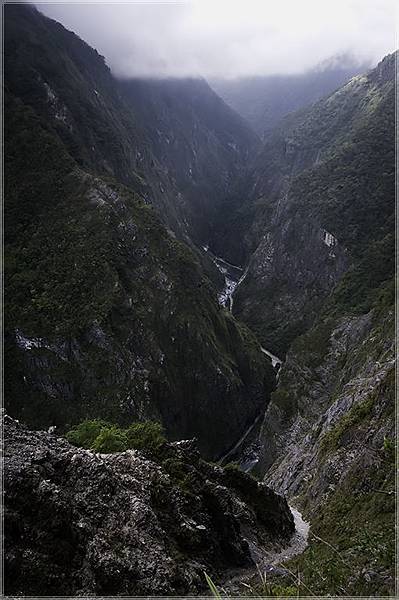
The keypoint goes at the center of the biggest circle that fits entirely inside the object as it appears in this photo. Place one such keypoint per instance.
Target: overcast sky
(227, 38)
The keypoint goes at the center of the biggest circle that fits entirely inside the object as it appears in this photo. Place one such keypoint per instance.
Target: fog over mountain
(230, 38)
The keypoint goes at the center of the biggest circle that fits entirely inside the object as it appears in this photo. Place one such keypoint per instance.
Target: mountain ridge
(265, 101)
(101, 300)
(121, 140)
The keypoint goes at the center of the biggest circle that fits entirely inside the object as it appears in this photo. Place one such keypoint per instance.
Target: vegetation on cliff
(107, 314)
(325, 171)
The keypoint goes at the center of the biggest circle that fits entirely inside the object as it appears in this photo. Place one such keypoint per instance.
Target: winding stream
(275, 359)
(234, 275)
(233, 278)
(265, 560)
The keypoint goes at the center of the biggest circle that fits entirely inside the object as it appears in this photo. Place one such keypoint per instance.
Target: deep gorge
(163, 263)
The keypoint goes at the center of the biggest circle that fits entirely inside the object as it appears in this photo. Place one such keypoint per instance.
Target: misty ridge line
(230, 40)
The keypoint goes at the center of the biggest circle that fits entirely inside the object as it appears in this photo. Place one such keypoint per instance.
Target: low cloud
(227, 38)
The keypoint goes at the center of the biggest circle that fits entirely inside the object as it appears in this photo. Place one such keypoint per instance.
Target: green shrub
(105, 437)
(358, 413)
(232, 466)
(389, 449)
(285, 401)
(110, 439)
(147, 435)
(84, 434)
(186, 478)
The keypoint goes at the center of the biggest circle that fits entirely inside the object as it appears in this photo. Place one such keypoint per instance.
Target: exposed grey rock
(79, 523)
(358, 362)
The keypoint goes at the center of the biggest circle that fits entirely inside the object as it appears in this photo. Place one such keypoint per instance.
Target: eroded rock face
(328, 444)
(121, 323)
(123, 524)
(305, 222)
(331, 399)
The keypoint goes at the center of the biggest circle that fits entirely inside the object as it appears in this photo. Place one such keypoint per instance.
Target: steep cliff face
(107, 313)
(175, 142)
(318, 242)
(322, 199)
(202, 145)
(328, 444)
(329, 371)
(327, 440)
(80, 523)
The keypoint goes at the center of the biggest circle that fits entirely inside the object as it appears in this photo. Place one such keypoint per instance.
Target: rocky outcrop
(79, 523)
(328, 444)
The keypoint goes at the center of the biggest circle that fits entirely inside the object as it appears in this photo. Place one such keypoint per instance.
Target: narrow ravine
(265, 560)
(236, 447)
(234, 275)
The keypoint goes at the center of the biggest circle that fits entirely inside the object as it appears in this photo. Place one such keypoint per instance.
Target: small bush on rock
(145, 436)
(85, 434)
(110, 439)
(105, 437)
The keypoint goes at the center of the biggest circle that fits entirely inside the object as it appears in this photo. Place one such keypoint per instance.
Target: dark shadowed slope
(106, 312)
(201, 143)
(175, 142)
